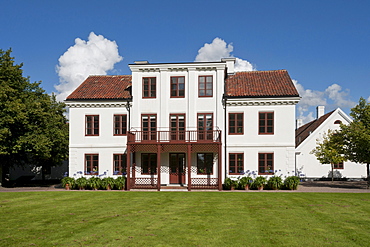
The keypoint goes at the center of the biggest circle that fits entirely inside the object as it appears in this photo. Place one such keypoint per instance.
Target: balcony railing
(160, 136)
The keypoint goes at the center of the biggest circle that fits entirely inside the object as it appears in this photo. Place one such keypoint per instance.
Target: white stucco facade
(250, 143)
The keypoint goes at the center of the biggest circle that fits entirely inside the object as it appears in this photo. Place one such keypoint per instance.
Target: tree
(330, 150)
(356, 136)
(33, 129)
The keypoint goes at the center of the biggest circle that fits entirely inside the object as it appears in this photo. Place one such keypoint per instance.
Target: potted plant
(107, 183)
(259, 183)
(94, 183)
(274, 183)
(68, 182)
(81, 183)
(120, 183)
(291, 183)
(230, 184)
(245, 183)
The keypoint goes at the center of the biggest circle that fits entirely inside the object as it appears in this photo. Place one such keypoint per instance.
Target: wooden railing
(207, 136)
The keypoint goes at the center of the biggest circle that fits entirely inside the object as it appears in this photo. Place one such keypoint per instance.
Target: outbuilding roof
(274, 83)
(305, 130)
(103, 87)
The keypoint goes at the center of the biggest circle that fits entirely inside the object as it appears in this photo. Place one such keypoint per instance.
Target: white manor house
(183, 124)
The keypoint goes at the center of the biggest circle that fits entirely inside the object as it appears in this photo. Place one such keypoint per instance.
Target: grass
(101, 218)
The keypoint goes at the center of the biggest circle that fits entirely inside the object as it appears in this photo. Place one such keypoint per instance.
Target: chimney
(298, 123)
(320, 111)
(229, 64)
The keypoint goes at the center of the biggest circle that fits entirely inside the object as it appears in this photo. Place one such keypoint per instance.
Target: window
(337, 122)
(266, 123)
(178, 87)
(236, 163)
(119, 164)
(339, 166)
(205, 126)
(205, 163)
(149, 87)
(120, 125)
(265, 164)
(236, 123)
(149, 126)
(177, 125)
(92, 125)
(149, 163)
(91, 164)
(205, 86)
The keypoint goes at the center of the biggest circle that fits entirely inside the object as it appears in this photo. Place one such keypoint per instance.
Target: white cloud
(96, 56)
(311, 99)
(368, 99)
(220, 49)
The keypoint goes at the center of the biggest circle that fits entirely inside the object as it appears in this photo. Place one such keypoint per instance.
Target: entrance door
(177, 172)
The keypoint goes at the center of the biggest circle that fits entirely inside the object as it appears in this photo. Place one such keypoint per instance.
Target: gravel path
(315, 186)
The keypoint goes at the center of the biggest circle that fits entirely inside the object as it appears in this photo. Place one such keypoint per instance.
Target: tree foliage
(330, 149)
(356, 135)
(33, 129)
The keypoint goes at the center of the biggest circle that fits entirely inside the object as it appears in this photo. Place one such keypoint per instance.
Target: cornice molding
(96, 105)
(261, 102)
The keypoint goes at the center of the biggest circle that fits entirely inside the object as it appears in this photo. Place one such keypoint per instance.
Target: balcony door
(177, 168)
(177, 127)
(149, 126)
(205, 126)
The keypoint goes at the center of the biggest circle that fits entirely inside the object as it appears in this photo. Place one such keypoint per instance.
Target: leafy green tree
(330, 150)
(33, 128)
(356, 135)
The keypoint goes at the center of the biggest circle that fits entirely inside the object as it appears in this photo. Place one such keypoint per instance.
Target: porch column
(219, 167)
(189, 166)
(158, 167)
(128, 166)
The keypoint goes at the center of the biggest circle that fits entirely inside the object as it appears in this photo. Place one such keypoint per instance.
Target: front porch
(164, 159)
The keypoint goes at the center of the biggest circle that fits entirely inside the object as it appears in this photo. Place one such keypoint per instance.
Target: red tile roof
(275, 83)
(305, 130)
(103, 87)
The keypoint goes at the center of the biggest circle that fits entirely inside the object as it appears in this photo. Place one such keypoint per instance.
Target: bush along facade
(94, 183)
(275, 182)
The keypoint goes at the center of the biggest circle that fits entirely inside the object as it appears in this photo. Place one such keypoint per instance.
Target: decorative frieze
(96, 105)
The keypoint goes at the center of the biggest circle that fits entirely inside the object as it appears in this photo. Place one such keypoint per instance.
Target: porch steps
(174, 188)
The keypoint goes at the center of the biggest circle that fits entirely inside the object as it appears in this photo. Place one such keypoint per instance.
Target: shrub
(68, 180)
(244, 181)
(94, 183)
(275, 183)
(229, 183)
(291, 183)
(81, 183)
(120, 183)
(259, 182)
(107, 183)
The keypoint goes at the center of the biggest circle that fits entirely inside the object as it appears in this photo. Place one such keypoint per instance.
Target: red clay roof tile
(103, 87)
(275, 83)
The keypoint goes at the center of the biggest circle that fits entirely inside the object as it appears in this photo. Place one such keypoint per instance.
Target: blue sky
(323, 44)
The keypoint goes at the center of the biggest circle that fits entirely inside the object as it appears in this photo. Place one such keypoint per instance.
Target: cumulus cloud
(220, 49)
(332, 97)
(96, 56)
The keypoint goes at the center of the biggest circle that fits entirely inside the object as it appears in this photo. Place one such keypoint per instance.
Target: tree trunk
(368, 178)
(332, 173)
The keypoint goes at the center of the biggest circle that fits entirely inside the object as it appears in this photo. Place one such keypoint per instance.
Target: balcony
(171, 137)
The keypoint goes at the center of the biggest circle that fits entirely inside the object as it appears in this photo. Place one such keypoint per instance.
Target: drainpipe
(224, 100)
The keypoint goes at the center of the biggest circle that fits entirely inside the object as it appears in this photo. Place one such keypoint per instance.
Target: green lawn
(102, 218)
